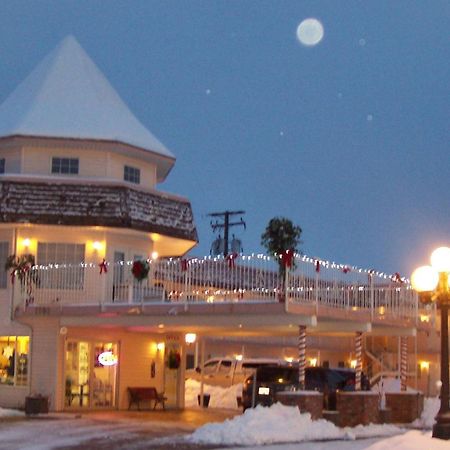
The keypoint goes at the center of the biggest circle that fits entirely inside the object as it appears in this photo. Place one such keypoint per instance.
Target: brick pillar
(403, 361)
(301, 355)
(358, 355)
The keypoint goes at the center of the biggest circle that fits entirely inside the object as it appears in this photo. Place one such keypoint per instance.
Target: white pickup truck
(226, 371)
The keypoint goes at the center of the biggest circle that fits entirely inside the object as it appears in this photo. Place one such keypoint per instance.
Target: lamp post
(432, 284)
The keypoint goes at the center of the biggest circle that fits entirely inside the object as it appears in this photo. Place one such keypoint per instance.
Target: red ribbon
(184, 264)
(230, 258)
(397, 278)
(103, 266)
(13, 276)
(287, 258)
(317, 266)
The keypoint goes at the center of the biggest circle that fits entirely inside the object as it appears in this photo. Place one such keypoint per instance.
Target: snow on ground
(11, 413)
(412, 440)
(281, 424)
(430, 409)
(219, 397)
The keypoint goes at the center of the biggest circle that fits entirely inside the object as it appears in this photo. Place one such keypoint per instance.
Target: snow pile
(219, 397)
(412, 440)
(390, 385)
(10, 413)
(430, 409)
(280, 424)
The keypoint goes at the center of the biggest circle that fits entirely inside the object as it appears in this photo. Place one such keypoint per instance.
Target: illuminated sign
(107, 359)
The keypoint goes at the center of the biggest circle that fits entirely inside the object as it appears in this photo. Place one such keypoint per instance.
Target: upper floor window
(4, 250)
(2, 165)
(132, 174)
(65, 165)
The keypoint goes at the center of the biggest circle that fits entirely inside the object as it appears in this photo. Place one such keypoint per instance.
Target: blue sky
(349, 138)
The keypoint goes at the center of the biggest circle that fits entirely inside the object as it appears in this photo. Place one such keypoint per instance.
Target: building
(110, 296)
(78, 177)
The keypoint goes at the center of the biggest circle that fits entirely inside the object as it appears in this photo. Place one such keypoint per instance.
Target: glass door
(90, 374)
(104, 375)
(77, 374)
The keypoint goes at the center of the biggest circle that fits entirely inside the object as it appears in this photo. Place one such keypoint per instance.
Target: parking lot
(107, 430)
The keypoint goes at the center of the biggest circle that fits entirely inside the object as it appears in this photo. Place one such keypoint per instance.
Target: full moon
(310, 32)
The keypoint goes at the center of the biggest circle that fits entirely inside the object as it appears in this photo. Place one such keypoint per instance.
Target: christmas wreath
(173, 360)
(140, 270)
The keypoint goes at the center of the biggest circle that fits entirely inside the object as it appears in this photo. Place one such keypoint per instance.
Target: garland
(19, 266)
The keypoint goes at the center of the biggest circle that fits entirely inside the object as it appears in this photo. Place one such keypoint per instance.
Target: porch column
(358, 355)
(301, 355)
(202, 373)
(403, 361)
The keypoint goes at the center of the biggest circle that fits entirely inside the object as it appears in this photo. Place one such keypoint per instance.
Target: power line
(226, 224)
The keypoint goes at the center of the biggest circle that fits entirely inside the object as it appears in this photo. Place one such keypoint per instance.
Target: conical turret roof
(67, 96)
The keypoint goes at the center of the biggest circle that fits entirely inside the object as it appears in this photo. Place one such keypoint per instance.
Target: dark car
(273, 379)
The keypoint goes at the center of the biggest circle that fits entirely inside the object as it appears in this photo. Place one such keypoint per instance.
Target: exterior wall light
(26, 242)
(353, 363)
(155, 255)
(160, 346)
(190, 338)
(424, 365)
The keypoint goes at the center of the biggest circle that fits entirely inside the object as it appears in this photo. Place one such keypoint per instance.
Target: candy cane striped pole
(301, 355)
(403, 361)
(358, 355)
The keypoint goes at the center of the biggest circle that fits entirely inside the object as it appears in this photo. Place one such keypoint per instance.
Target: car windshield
(277, 375)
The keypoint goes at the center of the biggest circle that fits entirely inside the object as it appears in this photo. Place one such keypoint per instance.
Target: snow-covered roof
(67, 96)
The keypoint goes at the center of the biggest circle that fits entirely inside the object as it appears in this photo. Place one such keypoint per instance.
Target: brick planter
(306, 401)
(405, 406)
(360, 407)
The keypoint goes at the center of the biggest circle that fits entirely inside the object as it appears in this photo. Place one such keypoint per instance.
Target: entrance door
(90, 374)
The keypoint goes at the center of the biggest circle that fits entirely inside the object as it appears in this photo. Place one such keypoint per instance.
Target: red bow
(287, 257)
(346, 269)
(103, 266)
(184, 264)
(397, 278)
(317, 266)
(230, 258)
(13, 276)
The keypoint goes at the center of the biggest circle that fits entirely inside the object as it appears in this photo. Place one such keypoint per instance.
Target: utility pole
(226, 224)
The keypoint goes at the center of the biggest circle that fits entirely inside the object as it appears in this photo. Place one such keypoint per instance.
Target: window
(71, 277)
(14, 351)
(4, 247)
(65, 165)
(132, 174)
(2, 165)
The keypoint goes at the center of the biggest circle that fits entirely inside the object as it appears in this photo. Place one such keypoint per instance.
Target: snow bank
(10, 413)
(219, 397)
(390, 385)
(412, 440)
(430, 409)
(280, 424)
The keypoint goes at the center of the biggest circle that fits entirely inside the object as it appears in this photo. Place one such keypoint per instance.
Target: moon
(310, 32)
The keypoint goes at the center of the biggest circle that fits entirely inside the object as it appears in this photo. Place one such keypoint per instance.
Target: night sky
(348, 138)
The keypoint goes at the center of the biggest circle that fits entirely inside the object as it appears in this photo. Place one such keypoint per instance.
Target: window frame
(4, 253)
(131, 174)
(2, 166)
(61, 165)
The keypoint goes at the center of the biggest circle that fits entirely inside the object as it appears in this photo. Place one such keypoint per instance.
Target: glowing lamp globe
(424, 279)
(440, 259)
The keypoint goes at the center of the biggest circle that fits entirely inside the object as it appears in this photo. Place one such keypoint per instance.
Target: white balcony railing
(253, 278)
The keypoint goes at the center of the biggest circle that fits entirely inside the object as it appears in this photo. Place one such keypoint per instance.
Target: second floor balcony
(314, 285)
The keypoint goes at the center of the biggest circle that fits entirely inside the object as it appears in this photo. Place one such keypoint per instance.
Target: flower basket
(173, 360)
(140, 270)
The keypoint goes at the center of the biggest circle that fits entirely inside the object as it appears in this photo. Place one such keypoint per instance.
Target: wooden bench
(140, 394)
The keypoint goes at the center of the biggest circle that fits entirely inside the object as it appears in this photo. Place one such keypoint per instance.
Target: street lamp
(432, 284)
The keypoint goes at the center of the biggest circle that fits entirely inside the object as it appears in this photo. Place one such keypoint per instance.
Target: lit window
(4, 250)
(65, 166)
(14, 351)
(132, 174)
(2, 165)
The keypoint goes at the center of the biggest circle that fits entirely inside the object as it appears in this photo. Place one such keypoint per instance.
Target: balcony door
(90, 375)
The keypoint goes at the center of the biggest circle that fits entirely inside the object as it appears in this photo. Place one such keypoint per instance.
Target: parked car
(227, 371)
(273, 379)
